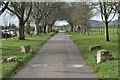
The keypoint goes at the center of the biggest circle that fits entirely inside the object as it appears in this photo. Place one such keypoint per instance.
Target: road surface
(58, 58)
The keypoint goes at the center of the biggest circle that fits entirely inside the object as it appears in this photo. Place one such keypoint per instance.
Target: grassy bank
(108, 69)
(11, 47)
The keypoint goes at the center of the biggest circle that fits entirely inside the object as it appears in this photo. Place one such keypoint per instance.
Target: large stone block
(10, 59)
(103, 55)
(26, 48)
(95, 46)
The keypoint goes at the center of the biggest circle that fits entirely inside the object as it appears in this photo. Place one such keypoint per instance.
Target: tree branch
(28, 13)
(112, 17)
(101, 11)
(14, 12)
(3, 9)
(16, 8)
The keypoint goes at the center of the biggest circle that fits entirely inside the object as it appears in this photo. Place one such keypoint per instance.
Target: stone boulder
(95, 46)
(26, 48)
(103, 55)
(10, 59)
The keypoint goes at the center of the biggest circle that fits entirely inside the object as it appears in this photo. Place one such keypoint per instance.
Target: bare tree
(28, 26)
(50, 16)
(84, 12)
(116, 7)
(44, 13)
(39, 9)
(19, 9)
(66, 12)
(105, 11)
(76, 14)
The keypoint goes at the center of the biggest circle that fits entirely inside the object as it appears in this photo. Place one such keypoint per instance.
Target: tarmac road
(58, 58)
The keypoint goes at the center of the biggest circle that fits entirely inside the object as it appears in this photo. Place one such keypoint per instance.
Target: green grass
(108, 69)
(11, 47)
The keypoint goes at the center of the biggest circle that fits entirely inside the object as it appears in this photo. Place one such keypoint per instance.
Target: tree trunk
(99, 30)
(44, 29)
(47, 29)
(118, 30)
(119, 20)
(21, 31)
(88, 31)
(106, 32)
(113, 29)
(84, 31)
(78, 29)
(28, 28)
(50, 28)
(81, 29)
(51, 25)
(75, 28)
(72, 26)
(37, 31)
(40, 29)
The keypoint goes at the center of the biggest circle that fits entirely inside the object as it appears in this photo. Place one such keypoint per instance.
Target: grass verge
(11, 47)
(108, 69)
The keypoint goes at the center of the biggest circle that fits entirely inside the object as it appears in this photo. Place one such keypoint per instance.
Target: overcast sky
(5, 18)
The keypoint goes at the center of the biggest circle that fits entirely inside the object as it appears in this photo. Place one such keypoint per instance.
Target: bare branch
(28, 13)
(112, 18)
(3, 9)
(14, 12)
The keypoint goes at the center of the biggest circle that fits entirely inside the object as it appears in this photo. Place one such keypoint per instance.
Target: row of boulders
(102, 54)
